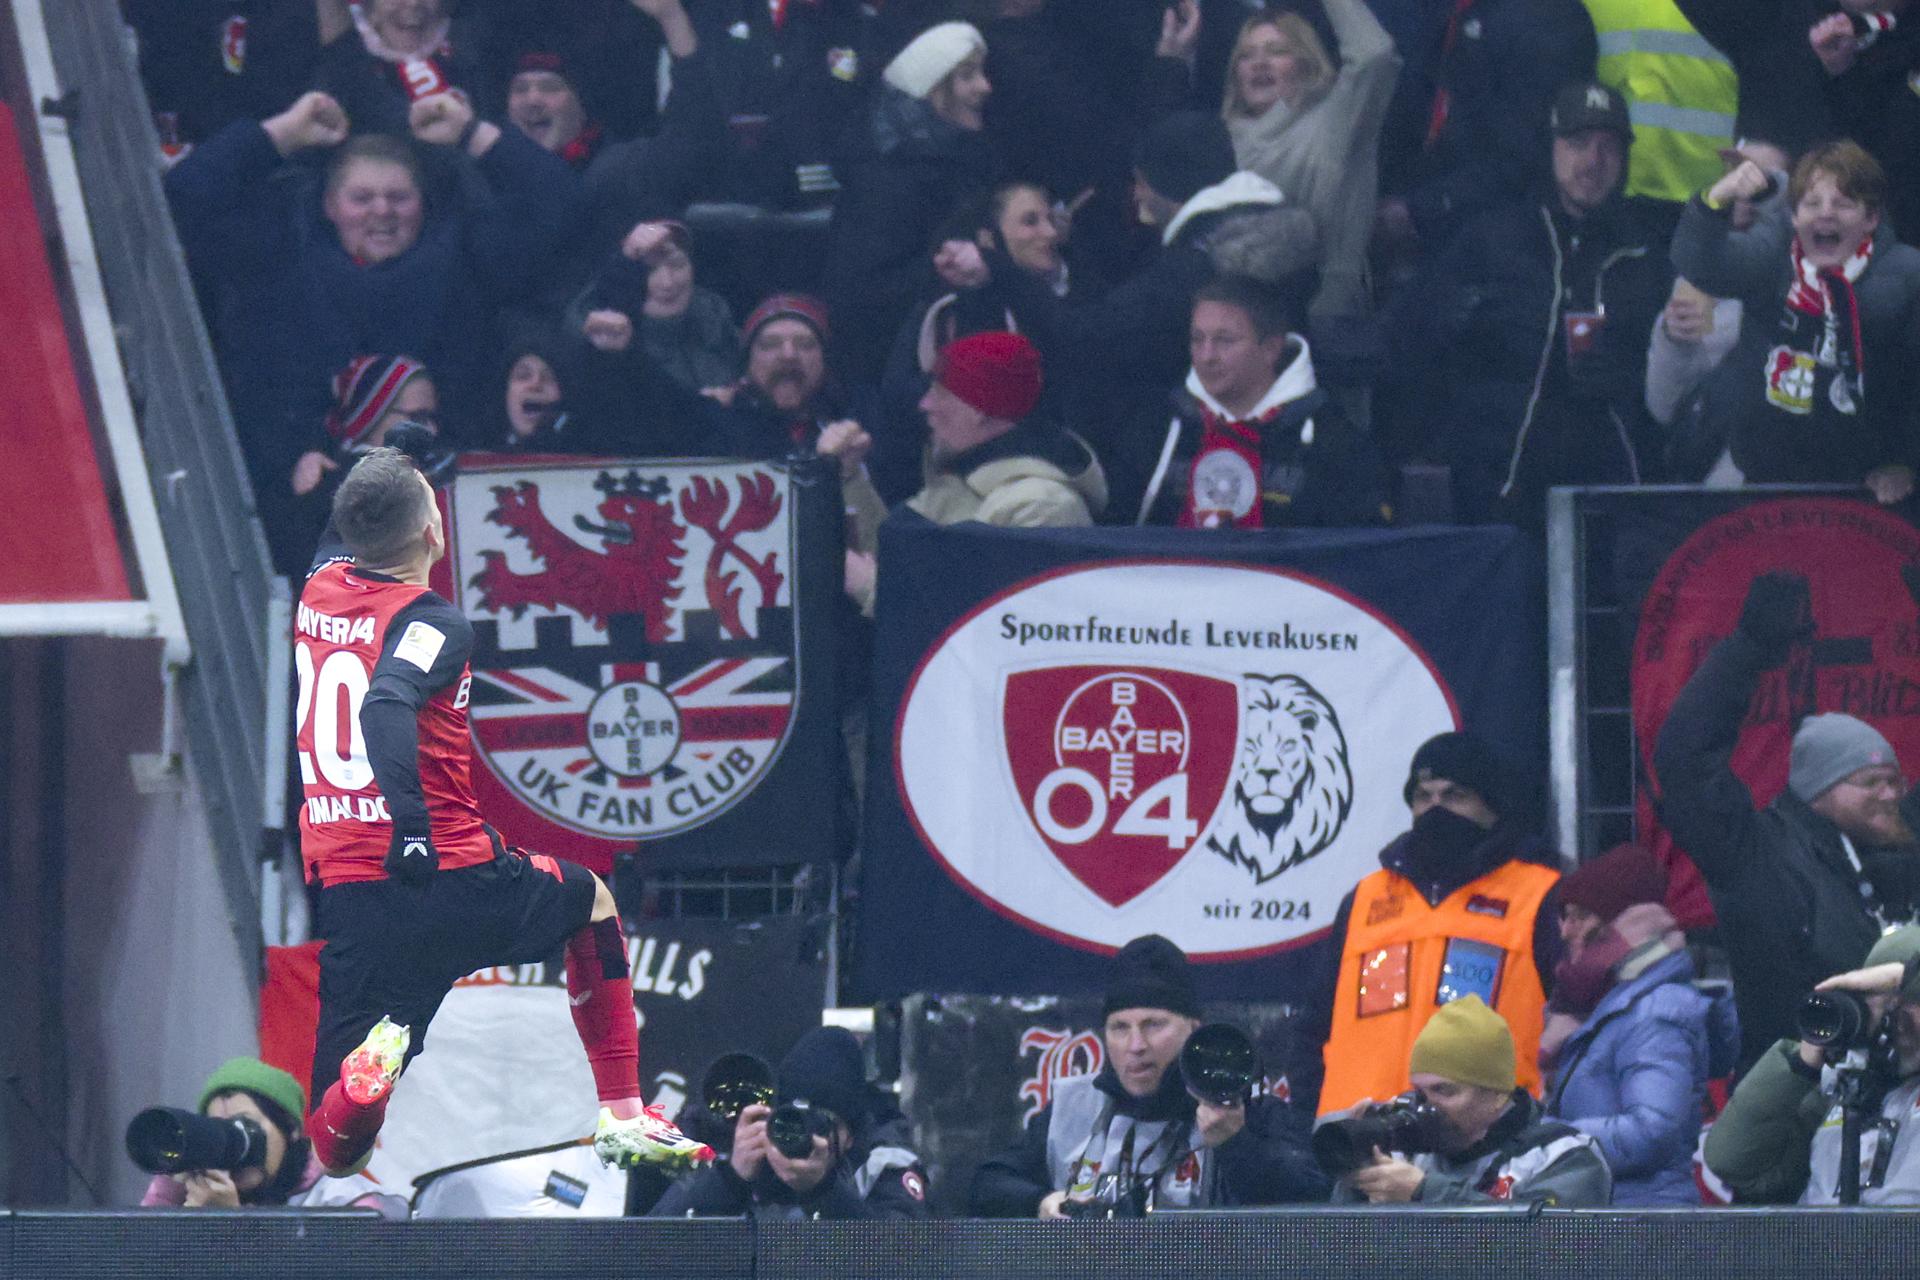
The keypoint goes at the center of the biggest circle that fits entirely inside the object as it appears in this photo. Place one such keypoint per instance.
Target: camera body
(795, 1124)
(170, 1140)
(1407, 1125)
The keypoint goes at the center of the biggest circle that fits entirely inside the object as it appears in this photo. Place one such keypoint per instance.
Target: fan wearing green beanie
(249, 1089)
(1488, 1138)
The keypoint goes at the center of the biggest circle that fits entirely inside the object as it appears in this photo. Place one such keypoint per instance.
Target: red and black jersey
(382, 721)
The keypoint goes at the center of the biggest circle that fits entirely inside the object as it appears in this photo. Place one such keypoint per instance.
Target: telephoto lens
(169, 1140)
(1404, 1125)
(1219, 1065)
(735, 1082)
(1835, 1020)
(794, 1125)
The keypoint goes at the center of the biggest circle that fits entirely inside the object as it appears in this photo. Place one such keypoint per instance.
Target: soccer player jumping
(416, 891)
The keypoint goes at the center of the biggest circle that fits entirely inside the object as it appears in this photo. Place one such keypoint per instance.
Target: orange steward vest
(1402, 959)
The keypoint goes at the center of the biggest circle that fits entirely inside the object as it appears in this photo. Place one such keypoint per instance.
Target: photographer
(856, 1165)
(1468, 1134)
(1780, 1138)
(247, 1090)
(1131, 1136)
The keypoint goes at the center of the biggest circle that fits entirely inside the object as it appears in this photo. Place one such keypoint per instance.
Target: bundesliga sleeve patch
(420, 644)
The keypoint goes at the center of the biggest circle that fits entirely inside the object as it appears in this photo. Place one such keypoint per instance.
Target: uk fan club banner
(1083, 736)
(652, 664)
(1863, 658)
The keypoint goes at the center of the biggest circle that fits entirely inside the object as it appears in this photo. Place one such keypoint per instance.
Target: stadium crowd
(1201, 264)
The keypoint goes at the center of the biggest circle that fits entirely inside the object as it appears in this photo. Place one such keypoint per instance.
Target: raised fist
(645, 240)
(848, 441)
(608, 330)
(314, 120)
(1778, 612)
(1834, 43)
(960, 264)
(440, 118)
(1748, 181)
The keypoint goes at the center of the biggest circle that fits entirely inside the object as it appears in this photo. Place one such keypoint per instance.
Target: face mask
(1441, 842)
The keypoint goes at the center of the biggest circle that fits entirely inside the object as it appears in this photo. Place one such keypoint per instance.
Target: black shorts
(395, 951)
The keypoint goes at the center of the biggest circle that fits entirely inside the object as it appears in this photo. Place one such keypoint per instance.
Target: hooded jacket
(1792, 908)
(1771, 445)
(1318, 469)
(1126, 348)
(880, 1176)
(1634, 1077)
(1484, 374)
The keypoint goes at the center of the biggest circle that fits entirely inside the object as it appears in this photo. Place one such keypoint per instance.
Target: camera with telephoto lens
(794, 1125)
(169, 1140)
(1406, 1125)
(1219, 1065)
(735, 1082)
(1841, 1023)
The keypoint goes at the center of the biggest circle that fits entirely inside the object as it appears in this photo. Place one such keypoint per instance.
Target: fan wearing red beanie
(991, 457)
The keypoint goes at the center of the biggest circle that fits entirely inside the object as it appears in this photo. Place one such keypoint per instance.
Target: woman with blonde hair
(1312, 128)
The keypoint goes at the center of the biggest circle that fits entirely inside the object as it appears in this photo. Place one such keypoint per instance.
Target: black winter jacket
(909, 172)
(1769, 444)
(1482, 374)
(1792, 909)
(880, 1177)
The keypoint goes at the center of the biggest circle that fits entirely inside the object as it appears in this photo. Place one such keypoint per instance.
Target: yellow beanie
(1468, 1043)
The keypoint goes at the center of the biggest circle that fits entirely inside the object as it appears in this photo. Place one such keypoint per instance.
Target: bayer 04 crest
(634, 669)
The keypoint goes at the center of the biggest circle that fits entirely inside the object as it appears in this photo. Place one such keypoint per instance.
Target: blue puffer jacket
(1634, 1076)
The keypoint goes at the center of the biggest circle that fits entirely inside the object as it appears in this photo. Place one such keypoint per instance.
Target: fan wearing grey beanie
(1805, 885)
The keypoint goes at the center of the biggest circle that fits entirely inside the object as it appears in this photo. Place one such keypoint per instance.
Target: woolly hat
(1150, 973)
(1624, 876)
(253, 1076)
(1826, 748)
(548, 60)
(787, 306)
(931, 57)
(1902, 946)
(1184, 152)
(364, 391)
(826, 1069)
(1467, 1043)
(1460, 757)
(997, 373)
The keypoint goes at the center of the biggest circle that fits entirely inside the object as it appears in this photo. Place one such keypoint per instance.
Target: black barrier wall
(1515, 1243)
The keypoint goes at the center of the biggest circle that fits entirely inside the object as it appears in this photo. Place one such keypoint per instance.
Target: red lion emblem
(705, 507)
(634, 575)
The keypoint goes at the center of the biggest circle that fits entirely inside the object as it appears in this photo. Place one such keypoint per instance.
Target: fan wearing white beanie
(950, 56)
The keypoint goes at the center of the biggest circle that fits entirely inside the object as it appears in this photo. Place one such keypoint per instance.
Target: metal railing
(206, 505)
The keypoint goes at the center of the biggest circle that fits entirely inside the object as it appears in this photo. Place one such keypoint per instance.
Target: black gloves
(411, 857)
(1778, 612)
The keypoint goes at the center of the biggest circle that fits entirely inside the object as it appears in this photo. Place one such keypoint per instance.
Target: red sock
(601, 994)
(343, 1130)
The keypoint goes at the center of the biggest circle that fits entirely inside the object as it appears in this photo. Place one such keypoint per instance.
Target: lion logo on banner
(1292, 785)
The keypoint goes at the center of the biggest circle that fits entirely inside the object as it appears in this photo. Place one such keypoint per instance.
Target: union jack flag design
(634, 662)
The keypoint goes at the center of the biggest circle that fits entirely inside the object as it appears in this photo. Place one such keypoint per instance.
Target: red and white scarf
(1811, 292)
(1828, 295)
